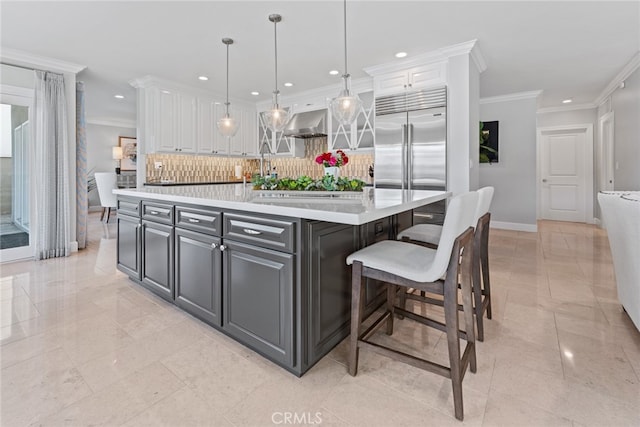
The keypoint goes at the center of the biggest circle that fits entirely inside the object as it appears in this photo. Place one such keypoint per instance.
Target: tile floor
(82, 345)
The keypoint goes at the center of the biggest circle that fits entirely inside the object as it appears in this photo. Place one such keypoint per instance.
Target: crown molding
(438, 55)
(109, 121)
(25, 59)
(561, 108)
(149, 81)
(624, 74)
(511, 97)
(478, 59)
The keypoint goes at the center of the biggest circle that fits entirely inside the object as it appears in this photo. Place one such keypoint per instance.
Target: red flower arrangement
(329, 159)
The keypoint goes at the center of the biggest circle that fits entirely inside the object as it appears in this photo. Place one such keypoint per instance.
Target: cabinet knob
(214, 245)
(223, 248)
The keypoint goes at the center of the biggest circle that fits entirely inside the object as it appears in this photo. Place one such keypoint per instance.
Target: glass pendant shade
(276, 118)
(227, 126)
(345, 106)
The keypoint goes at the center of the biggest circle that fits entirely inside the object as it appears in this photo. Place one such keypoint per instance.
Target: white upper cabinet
(206, 126)
(413, 79)
(165, 129)
(179, 120)
(359, 135)
(187, 124)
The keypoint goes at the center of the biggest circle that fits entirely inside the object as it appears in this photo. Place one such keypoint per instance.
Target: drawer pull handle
(154, 212)
(193, 220)
(214, 245)
(223, 247)
(250, 231)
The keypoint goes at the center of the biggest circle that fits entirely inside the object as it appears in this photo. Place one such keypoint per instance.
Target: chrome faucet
(262, 161)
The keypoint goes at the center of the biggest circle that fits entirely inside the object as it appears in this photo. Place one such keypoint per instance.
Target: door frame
(589, 179)
(606, 153)
(16, 95)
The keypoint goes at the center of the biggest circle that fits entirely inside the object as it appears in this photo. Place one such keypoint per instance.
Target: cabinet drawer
(265, 232)
(201, 220)
(129, 207)
(157, 212)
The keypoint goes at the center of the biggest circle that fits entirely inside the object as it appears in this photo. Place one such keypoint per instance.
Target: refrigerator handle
(410, 155)
(404, 157)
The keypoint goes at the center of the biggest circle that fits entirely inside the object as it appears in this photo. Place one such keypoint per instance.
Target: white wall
(625, 104)
(514, 176)
(571, 117)
(100, 140)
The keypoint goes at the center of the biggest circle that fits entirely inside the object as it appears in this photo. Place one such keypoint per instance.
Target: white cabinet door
(206, 126)
(187, 124)
(391, 83)
(360, 134)
(220, 143)
(426, 76)
(250, 133)
(167, 119)
(236, 143)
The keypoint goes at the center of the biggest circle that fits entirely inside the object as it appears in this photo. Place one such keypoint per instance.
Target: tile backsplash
(184, 167)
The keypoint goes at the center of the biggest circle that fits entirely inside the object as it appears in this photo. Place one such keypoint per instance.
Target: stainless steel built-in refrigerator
(411, 146)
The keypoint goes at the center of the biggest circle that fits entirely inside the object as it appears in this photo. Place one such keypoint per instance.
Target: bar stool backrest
(460, 214)
(485, 196)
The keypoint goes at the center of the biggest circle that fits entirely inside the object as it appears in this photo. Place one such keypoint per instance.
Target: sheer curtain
(82, 196)
(52, 235)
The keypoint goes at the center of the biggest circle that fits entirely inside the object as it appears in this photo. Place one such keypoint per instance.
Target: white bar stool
(429, 235)
(413, 266)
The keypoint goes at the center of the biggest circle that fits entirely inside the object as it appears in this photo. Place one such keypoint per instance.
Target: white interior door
(563, 173)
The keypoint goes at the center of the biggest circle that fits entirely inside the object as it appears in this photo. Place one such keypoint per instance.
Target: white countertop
(344, 208)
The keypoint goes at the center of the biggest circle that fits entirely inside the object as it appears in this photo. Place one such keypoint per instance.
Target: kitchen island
(266, 268)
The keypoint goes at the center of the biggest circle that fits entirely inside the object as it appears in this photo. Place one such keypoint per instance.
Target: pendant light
(227, 125)
(345, 106)
(277, 117)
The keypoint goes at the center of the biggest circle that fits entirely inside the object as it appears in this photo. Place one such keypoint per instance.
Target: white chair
(429, 235)
(106, 183)
(406, 265)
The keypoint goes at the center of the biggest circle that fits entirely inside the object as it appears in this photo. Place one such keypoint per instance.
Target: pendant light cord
(346, 73)
(227, 103)
(275, 43)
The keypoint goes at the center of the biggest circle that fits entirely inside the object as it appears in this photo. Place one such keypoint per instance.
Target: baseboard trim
(515, 226)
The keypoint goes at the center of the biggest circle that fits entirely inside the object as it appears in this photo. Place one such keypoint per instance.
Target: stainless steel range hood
(310, 124)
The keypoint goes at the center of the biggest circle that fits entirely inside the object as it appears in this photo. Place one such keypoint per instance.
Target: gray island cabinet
(268, 271)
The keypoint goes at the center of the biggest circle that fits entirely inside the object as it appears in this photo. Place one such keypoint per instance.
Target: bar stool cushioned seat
(402, 264)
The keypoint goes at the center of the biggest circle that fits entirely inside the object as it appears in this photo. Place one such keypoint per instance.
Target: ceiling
(568, 49)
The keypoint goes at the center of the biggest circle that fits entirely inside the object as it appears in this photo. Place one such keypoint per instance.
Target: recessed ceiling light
(255, 93)
(166, 91)
(401, 54)
(334, 72)
(567, 101)
(203, 78)
(119, 96)
(288, 84)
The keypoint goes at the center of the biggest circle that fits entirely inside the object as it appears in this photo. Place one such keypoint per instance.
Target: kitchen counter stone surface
(340, 207)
